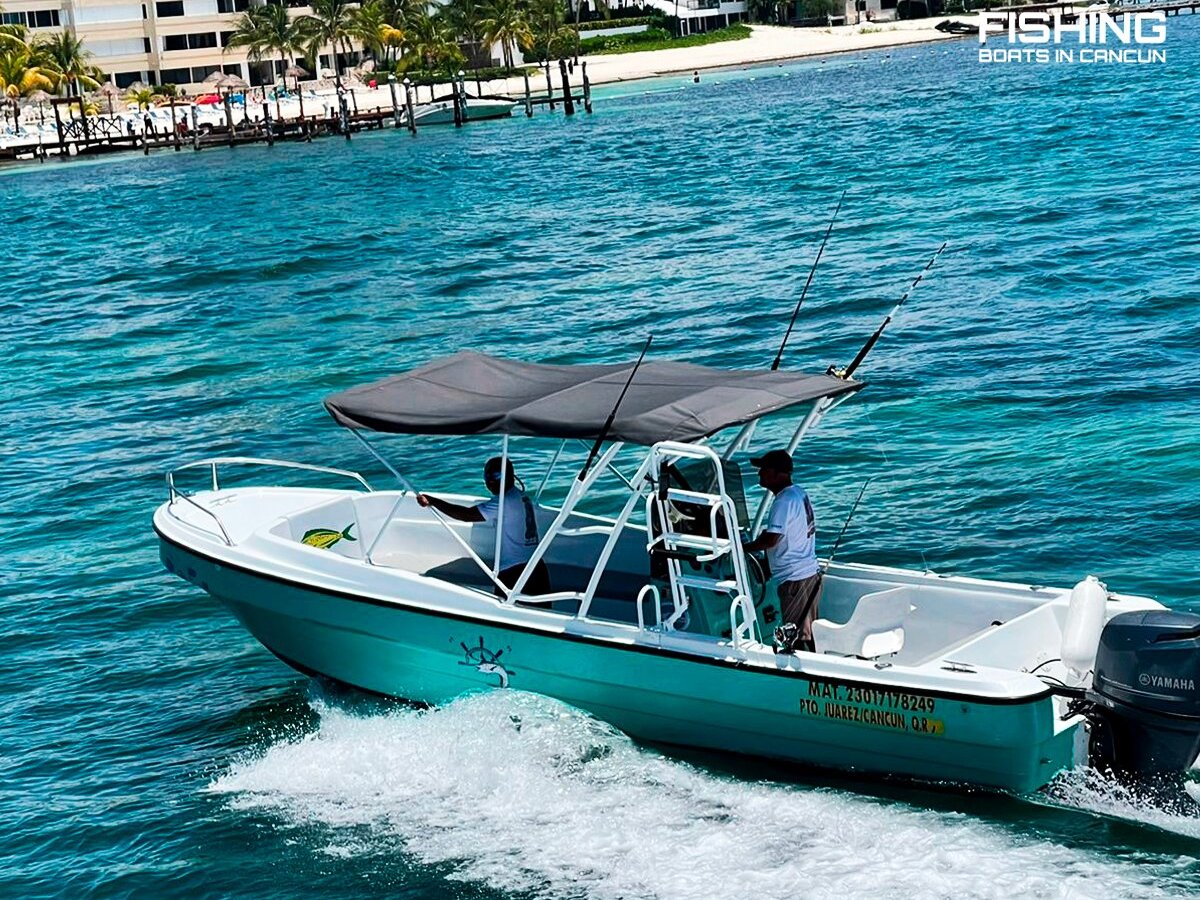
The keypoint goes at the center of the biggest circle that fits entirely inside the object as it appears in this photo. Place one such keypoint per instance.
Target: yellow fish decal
(324, 538)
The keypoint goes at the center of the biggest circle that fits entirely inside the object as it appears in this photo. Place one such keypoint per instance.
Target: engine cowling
(1145, 694)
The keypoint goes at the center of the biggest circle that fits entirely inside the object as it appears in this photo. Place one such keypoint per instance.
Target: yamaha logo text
(1174, 684)
(1089, 36)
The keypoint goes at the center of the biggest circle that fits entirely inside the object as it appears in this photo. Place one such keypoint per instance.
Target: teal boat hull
(653, 694)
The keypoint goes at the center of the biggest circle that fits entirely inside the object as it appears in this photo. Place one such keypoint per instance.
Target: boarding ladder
(678, 547)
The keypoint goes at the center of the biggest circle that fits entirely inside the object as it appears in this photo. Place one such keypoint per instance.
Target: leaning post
(458, 120)
(87, 134)
(395, 105)
(528, 98)
(58, 126)
(568, 101)
(195, 129)
(549, 84)
(587, 88)
(267, 123)
(229, 116)
(344, 112)
(174, 127)
(147, 133)
(408, 106)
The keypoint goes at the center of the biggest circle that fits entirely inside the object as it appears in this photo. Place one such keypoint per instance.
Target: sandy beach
(766, 44)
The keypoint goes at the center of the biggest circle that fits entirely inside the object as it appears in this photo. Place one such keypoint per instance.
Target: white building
(157, 42)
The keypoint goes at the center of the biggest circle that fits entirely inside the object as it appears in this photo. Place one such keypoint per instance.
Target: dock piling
(408, 104)
(229, 117)
(268, 124)
(568, 101)
(549, 85)
(587, 88)
(395, 105)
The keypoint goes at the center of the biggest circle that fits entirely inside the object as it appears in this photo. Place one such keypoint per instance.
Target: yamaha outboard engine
(1145, 696)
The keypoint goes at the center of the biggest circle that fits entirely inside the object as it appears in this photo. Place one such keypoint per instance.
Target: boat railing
(212, 464)
(652, 590)
(742, 634)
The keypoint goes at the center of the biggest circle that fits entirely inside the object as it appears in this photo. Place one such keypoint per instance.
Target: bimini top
(472, 393)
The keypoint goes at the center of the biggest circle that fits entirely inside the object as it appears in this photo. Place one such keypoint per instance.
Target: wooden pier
(113, 133)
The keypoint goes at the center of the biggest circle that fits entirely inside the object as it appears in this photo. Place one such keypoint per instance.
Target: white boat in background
(441, 111)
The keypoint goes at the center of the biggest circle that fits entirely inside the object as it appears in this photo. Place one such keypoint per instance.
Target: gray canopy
(472, 393)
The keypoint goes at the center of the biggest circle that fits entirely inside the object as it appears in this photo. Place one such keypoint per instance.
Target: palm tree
(393, 41)
(143, 97)
(266, 30)
(464, 17)
(504, 21)
(431, 42)
(71, 59)
(367, 23)
(331, 24)
(21, 73)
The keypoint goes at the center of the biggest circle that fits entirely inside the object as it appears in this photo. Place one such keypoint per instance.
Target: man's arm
(453, 510)
(764, 541)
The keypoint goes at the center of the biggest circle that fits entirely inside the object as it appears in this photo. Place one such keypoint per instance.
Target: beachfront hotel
(157, 42)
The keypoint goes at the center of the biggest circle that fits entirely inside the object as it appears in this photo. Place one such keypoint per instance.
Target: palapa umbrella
(231, 83)
(214, 77)
(39, 97)
(296, 72)
(108, 90)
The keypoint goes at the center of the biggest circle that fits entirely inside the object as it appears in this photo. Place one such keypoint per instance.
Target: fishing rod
(811, 272)
(846, 524)
(874, 338)
(613, 415)
(743, 436)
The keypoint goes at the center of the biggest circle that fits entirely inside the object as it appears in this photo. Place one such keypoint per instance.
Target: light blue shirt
(795, 555)
(519, 537)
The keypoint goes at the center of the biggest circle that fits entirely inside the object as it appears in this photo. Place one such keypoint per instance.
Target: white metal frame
(212, 464)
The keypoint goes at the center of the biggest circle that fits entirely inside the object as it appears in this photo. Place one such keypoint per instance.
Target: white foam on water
(1089, 790)
(525, 794)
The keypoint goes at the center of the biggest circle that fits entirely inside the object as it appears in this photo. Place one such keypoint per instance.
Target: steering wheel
(758, 577)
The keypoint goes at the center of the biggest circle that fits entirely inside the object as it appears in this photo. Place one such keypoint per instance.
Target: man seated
(519, 534)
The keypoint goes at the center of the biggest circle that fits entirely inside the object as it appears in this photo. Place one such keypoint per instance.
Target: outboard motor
(1145, 695)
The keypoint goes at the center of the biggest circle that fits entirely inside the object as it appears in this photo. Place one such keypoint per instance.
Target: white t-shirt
(795, 555)
(520, 535)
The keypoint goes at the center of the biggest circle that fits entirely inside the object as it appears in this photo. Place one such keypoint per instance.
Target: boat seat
(875, 628)
(331, 526)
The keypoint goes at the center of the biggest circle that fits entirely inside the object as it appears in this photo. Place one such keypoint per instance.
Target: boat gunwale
(744, 665)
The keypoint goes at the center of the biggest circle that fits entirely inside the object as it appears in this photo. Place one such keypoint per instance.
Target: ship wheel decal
(487, 661)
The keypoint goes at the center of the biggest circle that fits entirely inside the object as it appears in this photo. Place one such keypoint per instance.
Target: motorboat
(657, 620)
(441, 110)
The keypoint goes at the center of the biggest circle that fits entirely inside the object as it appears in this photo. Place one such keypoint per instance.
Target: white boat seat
(876, 627)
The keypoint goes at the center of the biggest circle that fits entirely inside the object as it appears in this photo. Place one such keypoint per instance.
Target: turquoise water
(1031, 415)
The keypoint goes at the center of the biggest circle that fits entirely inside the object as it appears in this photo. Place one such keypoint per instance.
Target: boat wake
(521, 793)
(1086, 789)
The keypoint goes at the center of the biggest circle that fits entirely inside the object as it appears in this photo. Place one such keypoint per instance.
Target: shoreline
(767, 44)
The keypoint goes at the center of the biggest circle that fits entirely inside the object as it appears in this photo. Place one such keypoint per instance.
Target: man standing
(519, 535)
(790, 539)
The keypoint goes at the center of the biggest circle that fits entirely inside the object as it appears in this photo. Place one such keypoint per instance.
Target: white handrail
(179, 495)
(651, 588)
(215, 461)
(744, 633)
(211, 463)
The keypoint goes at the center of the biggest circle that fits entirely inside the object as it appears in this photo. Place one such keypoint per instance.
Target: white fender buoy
(1081, 630)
